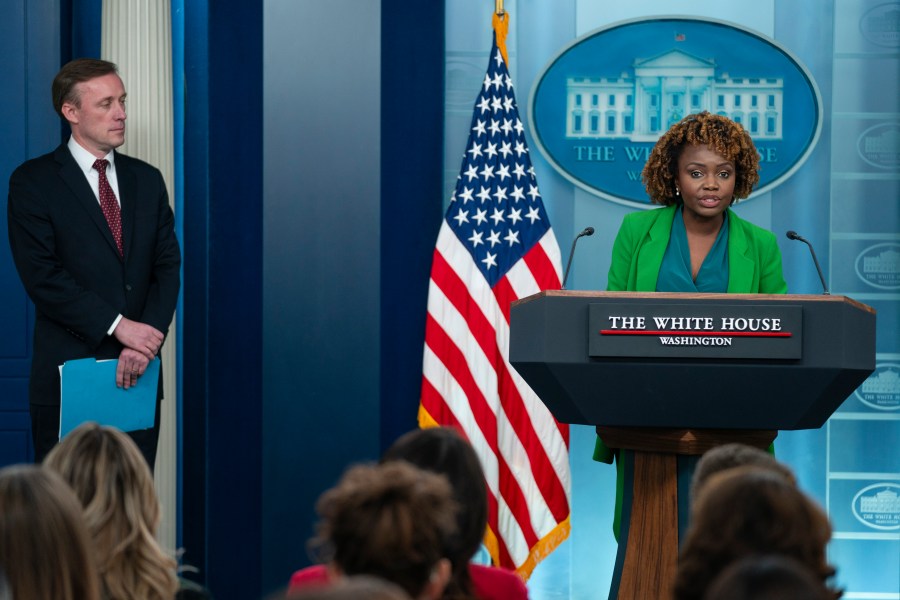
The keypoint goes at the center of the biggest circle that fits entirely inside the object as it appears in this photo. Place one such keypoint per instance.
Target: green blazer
(754, 260)
(754, 267)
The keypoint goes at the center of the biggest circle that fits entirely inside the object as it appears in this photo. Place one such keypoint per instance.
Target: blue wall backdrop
(221, 359)
(352, 126)
(321, 355)
(28, 29)
(845, 199)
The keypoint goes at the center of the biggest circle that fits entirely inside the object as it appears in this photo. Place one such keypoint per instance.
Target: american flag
(495, 246)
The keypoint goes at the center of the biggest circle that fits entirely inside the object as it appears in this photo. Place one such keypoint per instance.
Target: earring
(677, 192)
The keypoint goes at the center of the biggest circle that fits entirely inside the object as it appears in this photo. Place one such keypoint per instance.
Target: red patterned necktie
(109, 205)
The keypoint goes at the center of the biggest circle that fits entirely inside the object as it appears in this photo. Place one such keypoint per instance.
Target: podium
(670, 375)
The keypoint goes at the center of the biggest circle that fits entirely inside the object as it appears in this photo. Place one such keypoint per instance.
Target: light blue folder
(89, 393)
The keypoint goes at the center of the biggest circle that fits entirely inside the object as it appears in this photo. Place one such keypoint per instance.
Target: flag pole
(501, 28)
(466, 376)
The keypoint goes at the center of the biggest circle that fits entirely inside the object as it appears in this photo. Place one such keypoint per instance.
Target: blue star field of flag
(496, 210)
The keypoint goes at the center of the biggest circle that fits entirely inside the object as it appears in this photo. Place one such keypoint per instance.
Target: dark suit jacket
(67, 259)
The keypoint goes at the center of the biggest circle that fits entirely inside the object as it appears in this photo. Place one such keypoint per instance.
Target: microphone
(793, 235)
(587, 231)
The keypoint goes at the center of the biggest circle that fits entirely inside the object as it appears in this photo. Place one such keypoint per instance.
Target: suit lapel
(74, 178)
(127, 200)
(651, 254)
(740, 266)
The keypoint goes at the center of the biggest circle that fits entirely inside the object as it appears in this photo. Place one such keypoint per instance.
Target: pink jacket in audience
(489, 583)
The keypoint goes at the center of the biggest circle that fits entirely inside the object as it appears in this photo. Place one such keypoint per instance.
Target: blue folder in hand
(89, 393)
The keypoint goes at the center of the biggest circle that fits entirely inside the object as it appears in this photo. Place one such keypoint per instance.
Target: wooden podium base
(651, 520)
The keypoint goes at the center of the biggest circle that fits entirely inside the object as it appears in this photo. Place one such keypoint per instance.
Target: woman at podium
(695, 243)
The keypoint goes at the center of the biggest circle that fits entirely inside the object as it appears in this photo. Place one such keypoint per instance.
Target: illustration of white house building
(887, 24)
(883, 149)
(886, 262)
(640, 106)
(887, 382)
(884, 502)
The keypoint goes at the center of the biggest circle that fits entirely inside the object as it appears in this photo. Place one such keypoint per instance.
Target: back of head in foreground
(767, 577)
(393, 521)
(748, 511)
(729, 456)
(443, 450)
(720, 134)
(115, 487)
(41, 526)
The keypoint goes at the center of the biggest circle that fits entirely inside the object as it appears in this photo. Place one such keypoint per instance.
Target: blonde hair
(113, 482)
(41, 524)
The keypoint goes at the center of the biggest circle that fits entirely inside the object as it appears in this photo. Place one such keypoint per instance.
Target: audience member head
(746, 511)
(720, 134)
(443, 450)
(356, 587)
(728, 456)
(115, 487)
(41, 526)
(392, 521)
(767, 577)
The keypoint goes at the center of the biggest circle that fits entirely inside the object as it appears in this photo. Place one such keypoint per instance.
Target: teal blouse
(675, 271)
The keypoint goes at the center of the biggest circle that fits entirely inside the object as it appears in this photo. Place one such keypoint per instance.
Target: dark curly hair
(392, 521)
(444, 451)
(719, 133)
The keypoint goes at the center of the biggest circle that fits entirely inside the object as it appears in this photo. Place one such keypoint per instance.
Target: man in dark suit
(93, 240)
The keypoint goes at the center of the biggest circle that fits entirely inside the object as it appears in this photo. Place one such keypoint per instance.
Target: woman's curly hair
(719, 133)
(393, 520)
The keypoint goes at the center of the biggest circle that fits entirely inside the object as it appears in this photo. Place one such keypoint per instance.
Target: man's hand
(132, 365)
(140, 337)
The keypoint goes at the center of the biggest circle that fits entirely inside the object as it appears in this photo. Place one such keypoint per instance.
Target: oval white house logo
(879, 266)
(881, 25)
(878, 506)
(601, 104)
(881, 390)
(879, 145)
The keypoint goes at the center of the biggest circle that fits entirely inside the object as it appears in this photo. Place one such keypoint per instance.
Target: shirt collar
(85, 159)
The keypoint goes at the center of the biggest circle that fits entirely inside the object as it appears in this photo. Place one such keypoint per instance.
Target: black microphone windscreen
(588, 231)
(793, 235)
